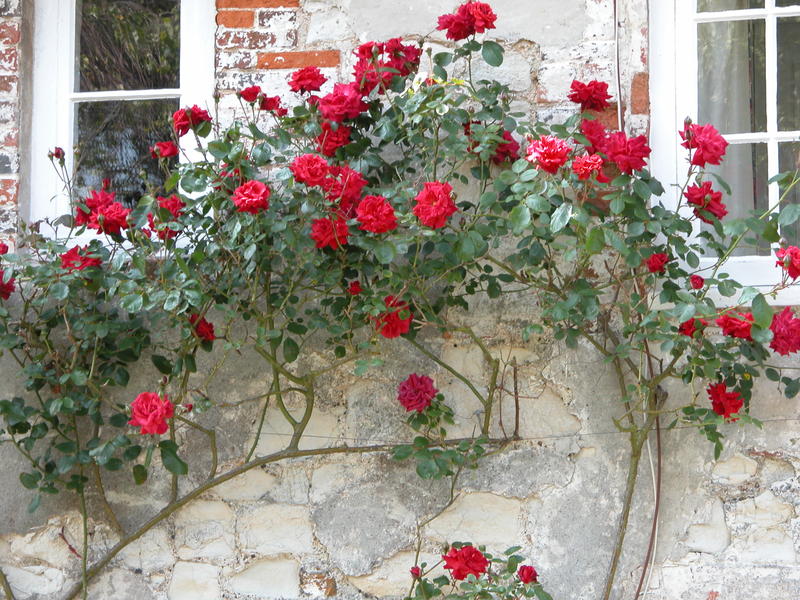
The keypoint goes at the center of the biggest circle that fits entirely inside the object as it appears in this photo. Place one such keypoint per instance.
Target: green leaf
(384, 252)
(169, 456)
(139, 474)
(520, 218)
(59, 290)
(595, 241)
(492, 53)
(402, 452)
(290, 350)
(560, 217)
(762, 312)
(30, 480)
(34, 503)
(162, 364)
(789, 214)
(132, 303)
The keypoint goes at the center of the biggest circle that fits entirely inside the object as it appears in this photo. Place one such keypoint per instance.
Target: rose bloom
(696, 282)
(354, 289)
(416, 392)
(527, 574)
(331, 140)
(628, 154)
(150, 412)
(705, 200)
(343, 188)
(416, 572)
(273, 104)
(250, 94)
(391, 324)
(483, 16)
(723, 402)
(507, 150)
(692, 326)
(3, 248)
(736, 326)
(202, 328)
(307, 79)
(6, 287)
(465, 561)
(375, 214)
(57, 153)
(548, 152)
(344, 102)
(330, 231)
(656, 263)
(164, 150)
(111, 219)
(591, 96)
(95, 201)
(585, 166)
(595, 132)
(251, 197)
(785, 330)
(75, 259)
(186, 118)
(174, 206)
(434, 204)
(470, 18)
(789, 260)
(709, 146)
(310, 169)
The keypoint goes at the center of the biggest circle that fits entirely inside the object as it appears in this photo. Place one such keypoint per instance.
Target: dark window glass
(782, 3)
(789, 74)
(113, 142)
(789, 160)
(711, 5)
(128, 44)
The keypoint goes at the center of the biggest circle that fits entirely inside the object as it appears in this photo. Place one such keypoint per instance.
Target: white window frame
(673, 96)
(54, 98)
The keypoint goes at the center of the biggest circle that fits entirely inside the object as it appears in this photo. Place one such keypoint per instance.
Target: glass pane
(782, 3)
(128, 44)
(710, 5)
(789, 160)
(732, 76)
(744, 168)
(113, 142)
(789, 74)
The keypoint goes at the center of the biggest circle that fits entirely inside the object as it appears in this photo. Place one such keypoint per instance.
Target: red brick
(9, 32)
(296, 60)
(11, 140)
(8, 59)
(640, 94)
(236, 18)
(236, 60)
(258, 3)
(252, 40)
(8, 191)
(8, 83)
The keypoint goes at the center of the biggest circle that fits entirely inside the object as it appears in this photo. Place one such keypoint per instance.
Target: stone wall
(345, 527)
(10, 51)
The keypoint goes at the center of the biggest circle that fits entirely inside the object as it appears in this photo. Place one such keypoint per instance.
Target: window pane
(789, 74)
(709, 5)
(781, 3)
(789, 160)
(113, 141)
(732, 75)
(744, 168)
(128, 44)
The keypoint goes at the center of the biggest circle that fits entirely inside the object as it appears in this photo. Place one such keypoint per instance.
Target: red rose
(3, 248)
(789, 260)
(708, 145)
(343, 188)
(164, 150)
(375, 214)
(416, 392)
(736, 326)
(483, 16)
(330, 231)
(585, 166)
(416, 572)
(434, 204)
(57, 153)
(251, 197)
(273, 104)
(507, 150)
(629, 154)
(548, 152)
(723, 402)
(95, 201)
(174, 206)
(692, 326)
(465, 561)
(396, 322)
(656, 263)
(307, 79)
(696, 282)
(527, 574)
(202, 328)
(111, 218)
(6, 287)
(470, 18)
(250, 94)
(785, 330)
(354, 289)
(310, 169)
(332, 139)
(150, 412)
(595, 132)
(344, 102)
(591, 96)
(705, 200)
(75, 259)
(185, 119)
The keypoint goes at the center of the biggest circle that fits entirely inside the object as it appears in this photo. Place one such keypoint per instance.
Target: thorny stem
(656, 509)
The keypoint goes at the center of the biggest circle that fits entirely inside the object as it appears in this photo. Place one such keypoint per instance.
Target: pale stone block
(34, 580)
(550, 22)
(330, 26)
(250, 485)
(467, 359)
(194, 581)
(275, 529)
(544, 416)
(204, 529)
(764, 510)
(322, 432)
(151, 552)
(268, 579)
(515, 72)
(712, 536)
(466, 520)
(392, 578)
(772, 545)
(735, 470)
(382, 20)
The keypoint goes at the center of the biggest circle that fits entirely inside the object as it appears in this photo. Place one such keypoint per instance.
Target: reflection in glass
(782, 3)
(731, 75)
(789, 74)
(128, 44)
(744, 168)
(710, 5)
(789, 160)
(113, 141)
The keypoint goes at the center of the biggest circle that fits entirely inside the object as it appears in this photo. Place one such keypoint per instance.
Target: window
(108, 74)
(734, 64)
